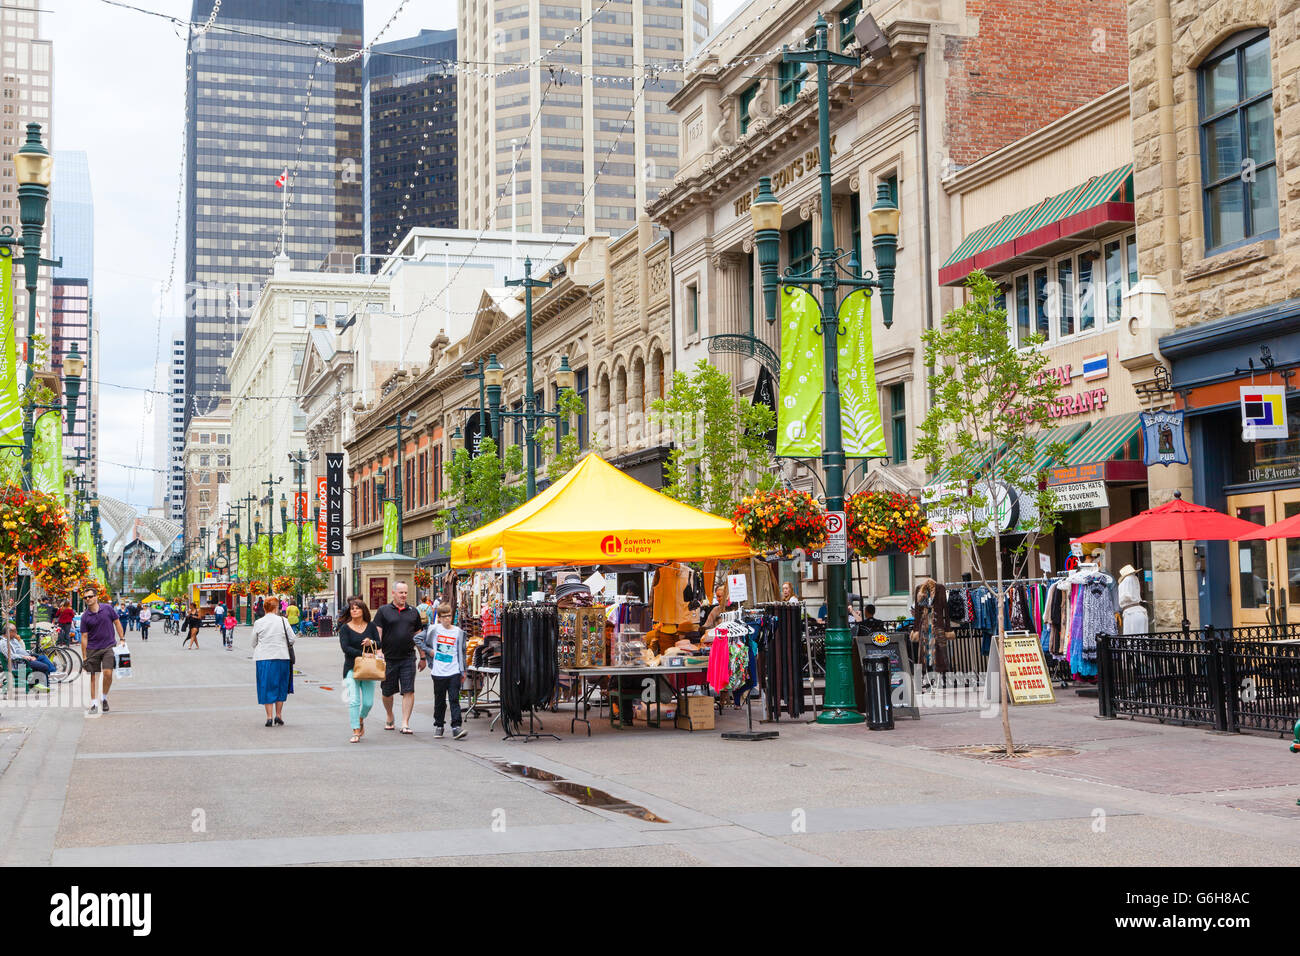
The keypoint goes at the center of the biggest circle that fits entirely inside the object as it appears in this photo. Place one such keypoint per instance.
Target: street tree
(480, 487)
(720, 451)
(987, 428)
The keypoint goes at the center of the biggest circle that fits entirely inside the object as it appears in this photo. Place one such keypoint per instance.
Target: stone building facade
(906, 118)
(1216, 126)
(607, 310)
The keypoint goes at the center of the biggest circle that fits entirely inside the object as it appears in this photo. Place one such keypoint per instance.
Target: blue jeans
(41, 665)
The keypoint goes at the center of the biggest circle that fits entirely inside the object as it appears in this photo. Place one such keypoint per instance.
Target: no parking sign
(837, 539)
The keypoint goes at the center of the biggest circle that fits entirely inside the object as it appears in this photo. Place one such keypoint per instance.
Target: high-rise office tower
(72, 226)
(601, 135)
(175, 412)
(26, 86)
(410, 98)
(261, 101)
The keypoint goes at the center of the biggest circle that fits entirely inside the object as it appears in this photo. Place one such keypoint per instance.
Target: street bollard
(880, 706)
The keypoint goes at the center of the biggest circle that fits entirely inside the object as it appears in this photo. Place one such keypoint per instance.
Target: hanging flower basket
(282, 584)
(884, 522)
(238, 589)
(782, 520)
(423, 579)
(63, 571)
(33, 526)
(256, 587)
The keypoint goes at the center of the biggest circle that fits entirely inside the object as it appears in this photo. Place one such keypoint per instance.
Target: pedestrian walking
(292, 615)
(271, 643)
(354, 635)
(101, 632)
(444, 647)
(398, 624)
(144, 623)
(230, 630)
(66, 614)
(219, 618)
(259, 608)
(192, 624)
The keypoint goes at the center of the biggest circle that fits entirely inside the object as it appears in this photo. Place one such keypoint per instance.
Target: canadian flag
(282, 179)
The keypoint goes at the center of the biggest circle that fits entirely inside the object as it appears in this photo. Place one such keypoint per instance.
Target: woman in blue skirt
(271, 642)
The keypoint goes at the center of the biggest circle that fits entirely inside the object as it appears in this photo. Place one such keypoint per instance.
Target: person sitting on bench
(37, 664)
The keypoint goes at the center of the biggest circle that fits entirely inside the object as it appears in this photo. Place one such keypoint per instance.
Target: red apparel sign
(322, 525)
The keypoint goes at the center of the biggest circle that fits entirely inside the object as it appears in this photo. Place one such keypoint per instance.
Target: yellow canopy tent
(596, 514)
(151, 599)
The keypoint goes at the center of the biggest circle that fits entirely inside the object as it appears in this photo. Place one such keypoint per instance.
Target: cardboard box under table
(626, 685)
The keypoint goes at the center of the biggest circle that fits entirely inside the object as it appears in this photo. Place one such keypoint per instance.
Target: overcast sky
(119, 89)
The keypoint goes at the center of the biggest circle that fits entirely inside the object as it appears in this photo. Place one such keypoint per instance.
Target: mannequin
(1134, 612)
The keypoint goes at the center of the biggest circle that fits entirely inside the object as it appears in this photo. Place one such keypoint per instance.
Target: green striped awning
(945, 476)
(1005, 234)
(1064, 433)
(1104, 439)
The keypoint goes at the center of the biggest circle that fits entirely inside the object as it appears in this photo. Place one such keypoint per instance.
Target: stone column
(1162, 482)
(728, 311)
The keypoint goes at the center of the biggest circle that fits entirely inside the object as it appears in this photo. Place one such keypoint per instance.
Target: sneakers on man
(437, 731)
(459, 733)
(93, 711)
(104, 704)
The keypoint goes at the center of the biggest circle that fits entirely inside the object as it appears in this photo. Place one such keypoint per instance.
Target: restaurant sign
(1067, 406)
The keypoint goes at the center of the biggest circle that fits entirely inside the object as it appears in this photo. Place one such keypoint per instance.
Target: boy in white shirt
(443, 645)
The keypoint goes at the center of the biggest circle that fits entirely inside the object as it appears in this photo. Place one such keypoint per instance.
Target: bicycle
(66, 657)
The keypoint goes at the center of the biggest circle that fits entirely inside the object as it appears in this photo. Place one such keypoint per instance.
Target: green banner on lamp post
(799, 411)
(47, 454)
(11, 416)
(390, 526)
(864, 430)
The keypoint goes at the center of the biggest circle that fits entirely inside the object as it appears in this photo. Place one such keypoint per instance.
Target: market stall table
(485, 692)
(617, 674)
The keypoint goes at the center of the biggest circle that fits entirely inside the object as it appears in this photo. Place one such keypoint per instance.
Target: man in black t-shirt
(398, 623)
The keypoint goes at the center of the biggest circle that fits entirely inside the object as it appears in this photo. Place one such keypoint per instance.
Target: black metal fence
(1231, 679)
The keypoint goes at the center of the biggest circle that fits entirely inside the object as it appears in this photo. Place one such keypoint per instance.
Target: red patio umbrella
(1178, 520)
(1287, 528)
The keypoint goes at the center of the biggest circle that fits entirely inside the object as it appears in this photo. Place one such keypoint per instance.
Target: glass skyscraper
(411, 151)
(247, 98)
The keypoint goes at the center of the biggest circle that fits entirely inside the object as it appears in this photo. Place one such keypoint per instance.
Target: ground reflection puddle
(586, 796)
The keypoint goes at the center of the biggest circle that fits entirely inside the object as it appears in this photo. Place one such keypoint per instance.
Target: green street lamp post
(269, 501)
(33, 167)
(531, 416)
(468, 370)
(530, 404)
(398, 419)
(840, 705)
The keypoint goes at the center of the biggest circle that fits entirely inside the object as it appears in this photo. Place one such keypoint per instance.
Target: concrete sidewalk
(182, 771)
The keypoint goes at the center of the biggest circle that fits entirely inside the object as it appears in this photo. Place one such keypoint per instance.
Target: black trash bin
(880, 704)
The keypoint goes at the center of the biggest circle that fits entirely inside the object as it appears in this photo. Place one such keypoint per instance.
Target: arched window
(1238, 162)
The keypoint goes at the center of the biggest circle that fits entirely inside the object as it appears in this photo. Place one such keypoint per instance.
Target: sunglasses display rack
(581, 637)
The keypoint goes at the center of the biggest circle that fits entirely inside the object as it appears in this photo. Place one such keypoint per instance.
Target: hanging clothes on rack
(930, 614)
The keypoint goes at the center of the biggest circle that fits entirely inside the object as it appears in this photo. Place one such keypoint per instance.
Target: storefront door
(1266, 574)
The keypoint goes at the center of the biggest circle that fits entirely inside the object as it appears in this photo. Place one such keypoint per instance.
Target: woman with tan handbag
(362, 667)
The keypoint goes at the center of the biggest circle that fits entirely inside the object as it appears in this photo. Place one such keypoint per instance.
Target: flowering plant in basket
(282, 584)
(881, 521)
(423, 578)
(781, 520)
(238, 589)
